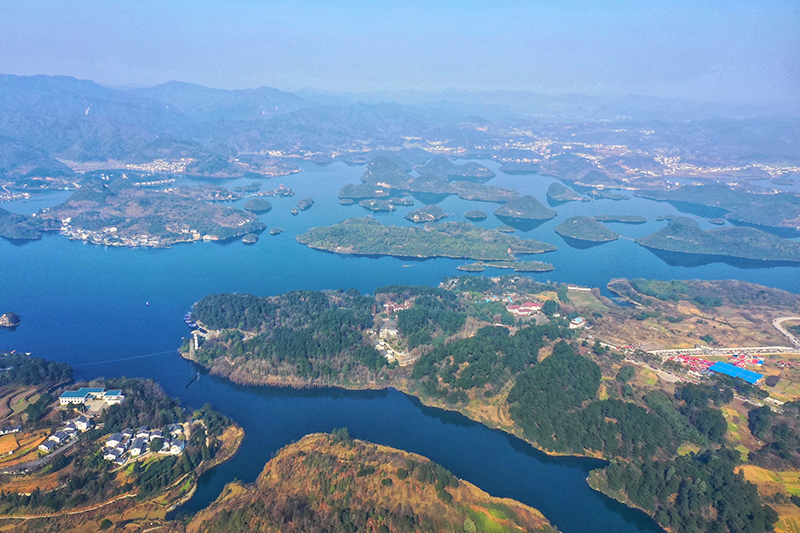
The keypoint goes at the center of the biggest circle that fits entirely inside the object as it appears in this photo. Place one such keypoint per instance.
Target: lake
(87, 305)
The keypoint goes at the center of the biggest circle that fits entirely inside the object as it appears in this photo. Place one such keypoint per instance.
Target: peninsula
(560, 193)
(585, 229)
(411, 492)
(683, 235)
(461, 240)
(116, 214)
(475, 344)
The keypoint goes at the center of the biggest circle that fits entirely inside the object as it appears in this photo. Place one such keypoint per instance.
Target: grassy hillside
(334, 483)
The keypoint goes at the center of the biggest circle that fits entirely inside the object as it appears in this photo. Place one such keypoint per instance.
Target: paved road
(36, 464)
(778, 323)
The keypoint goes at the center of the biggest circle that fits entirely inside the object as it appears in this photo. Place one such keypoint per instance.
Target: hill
(526, 207)
(558, 192)
(585, 229)
(684, 235)
(334, 483)
(462, 240)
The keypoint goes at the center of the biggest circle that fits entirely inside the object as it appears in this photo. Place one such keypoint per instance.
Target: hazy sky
(723, 51)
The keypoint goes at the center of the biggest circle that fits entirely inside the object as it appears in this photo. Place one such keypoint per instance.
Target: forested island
(585, 229)
(458, 347)
(441, 167)
(525, 208)
(117, 213)
(344, 484)
(621, 219)
(683, 235)
(773, 211)
(462, 240)
(560, 193)
(475, 214)
(429, 213)
(516, 266)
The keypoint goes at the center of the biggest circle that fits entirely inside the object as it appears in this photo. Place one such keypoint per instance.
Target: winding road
(778, 323)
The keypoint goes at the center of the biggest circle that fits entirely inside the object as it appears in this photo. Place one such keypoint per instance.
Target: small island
(683, 235)
(505, 229)
(346, 201)
(377, 205)
(441, 167)
(476, 214)
(429, 213)
(516, 266)
(717, 221)
(585, 229)
(560, 193)
(9, 320)
(250, 238)
(519, 167)
(305, 204)
(525, 208)
(462, 240)
(605, 194)
(365, 480)
(621, 219)
(257, 205)
(405, 202)
(276, 231)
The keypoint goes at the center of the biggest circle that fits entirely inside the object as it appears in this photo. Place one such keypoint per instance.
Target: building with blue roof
(736, 372)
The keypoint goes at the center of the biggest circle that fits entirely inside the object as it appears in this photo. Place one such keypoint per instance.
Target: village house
(526, 309)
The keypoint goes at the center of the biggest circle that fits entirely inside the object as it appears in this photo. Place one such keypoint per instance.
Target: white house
(59, 437)
(47, 446)
(114, 440)
(143, 433)
(82, 423)
(138, 447)
(177, 446)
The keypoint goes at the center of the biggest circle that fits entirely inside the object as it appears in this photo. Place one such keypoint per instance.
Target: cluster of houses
(129, 443)
(66, 433)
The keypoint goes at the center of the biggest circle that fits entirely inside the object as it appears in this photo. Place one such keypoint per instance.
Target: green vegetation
(17, 369)
(475, 214)
(454, 239)
(377, 205)
(118, 214)
(692, 493)
(90, 478)
(775, 211)
(780, 433)
(19, 227)
(675, 291)
(327, 483)
(622, 219)
(527, 207)
(429, 213)
(585, 229)
(558, 192)
(306, 336)
(441, 167)
(516, 266)
(684, 235)
(258, 205)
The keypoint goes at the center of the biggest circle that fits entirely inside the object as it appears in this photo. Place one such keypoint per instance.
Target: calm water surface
(86, 305)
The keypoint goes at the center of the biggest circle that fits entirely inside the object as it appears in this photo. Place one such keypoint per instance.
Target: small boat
(147, 304)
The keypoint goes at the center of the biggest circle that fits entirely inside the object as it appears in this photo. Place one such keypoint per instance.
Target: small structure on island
(577, 323)
(85, 394)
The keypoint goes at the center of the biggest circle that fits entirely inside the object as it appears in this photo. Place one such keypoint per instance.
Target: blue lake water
(85, 305)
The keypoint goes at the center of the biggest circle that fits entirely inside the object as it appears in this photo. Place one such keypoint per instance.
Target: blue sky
(730, 52)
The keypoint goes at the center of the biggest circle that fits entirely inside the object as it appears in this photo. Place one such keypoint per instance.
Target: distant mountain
(206, 104)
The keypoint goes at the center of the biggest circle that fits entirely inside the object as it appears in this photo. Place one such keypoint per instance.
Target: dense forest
(315, 336)
(19, 369)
